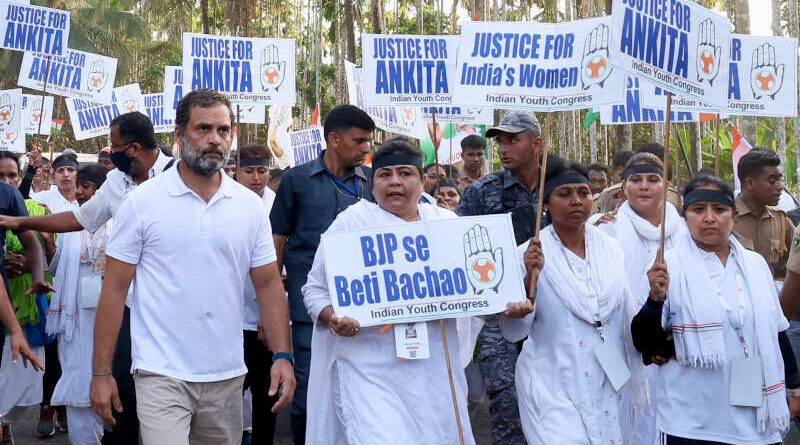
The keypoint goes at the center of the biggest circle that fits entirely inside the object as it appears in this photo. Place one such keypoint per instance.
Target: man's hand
(104, 395)
(282, 382)
(40, 287)
(794, 407)
(15, 264)
(19, 346)
(519, 310)
(607, 217)
(10, 222)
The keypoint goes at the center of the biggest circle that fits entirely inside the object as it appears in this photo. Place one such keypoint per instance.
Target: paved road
(25, 420)
(25, 423)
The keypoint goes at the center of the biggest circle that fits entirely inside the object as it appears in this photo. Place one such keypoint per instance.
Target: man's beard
(194, 158)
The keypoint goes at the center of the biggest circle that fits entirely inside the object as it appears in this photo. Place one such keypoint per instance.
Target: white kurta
(19, 385)
(564, 395)
(359, 392)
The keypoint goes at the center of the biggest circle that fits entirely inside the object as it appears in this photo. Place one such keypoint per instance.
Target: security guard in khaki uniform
(759, 225)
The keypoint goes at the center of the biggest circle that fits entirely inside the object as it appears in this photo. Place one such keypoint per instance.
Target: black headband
(643, 168)
(104, 154)
(707, 195)
(566, 178)
(89, 176)
(253, 162)
(396, 158)
(65, 163)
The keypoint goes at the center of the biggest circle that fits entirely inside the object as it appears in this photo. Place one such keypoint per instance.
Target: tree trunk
(350, 31)
(204, 15)
(453, 16)
(696, 149)
(623, 138)
(378, 18)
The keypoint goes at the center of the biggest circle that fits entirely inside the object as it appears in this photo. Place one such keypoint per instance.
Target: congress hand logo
(708, 53)
(484, 266)
(36, 112)
(97, 77)
(273, 70)
(6, 112)
(766, 76)
(129, 102)
(595, 67)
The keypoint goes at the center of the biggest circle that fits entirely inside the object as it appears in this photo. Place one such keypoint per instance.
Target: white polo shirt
(104, 204)
(192, 259)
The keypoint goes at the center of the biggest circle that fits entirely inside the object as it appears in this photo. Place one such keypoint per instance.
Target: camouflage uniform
(500, 192)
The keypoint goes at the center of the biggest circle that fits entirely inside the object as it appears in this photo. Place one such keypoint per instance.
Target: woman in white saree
(359, 392)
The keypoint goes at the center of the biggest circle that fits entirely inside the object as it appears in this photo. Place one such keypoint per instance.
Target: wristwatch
(283, 355)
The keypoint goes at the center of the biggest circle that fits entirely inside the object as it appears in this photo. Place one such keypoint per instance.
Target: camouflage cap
(515, 122)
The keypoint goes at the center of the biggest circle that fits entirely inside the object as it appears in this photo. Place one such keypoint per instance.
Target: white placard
(76, 74)
(306, 145)
(33, 28)
(10, 110)
(406, 121)
(33, 113)
(424, 270)
(173, 89)
(675, 44)
(644, 102)
(537, 66)
(247, 70)
(91, 119)
(154, 105)
(408, 70)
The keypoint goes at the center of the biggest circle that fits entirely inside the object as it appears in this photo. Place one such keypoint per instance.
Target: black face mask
(121, 161)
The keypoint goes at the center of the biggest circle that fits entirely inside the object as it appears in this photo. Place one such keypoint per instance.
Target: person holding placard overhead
(359, 392)
(637, 229)
(713, 322)
(572, 371)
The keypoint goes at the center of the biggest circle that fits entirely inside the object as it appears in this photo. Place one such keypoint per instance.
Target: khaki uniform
(793, 264)
(770, 235)
(464, 180)
(609, 198)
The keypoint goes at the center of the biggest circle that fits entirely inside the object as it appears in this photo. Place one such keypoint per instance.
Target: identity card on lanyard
(608, 355)
(747, 379)
(411, 341)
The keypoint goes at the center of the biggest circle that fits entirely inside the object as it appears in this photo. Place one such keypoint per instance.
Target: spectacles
(124, 147)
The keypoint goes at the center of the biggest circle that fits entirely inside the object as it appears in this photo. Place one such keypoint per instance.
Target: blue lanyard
(356, 193)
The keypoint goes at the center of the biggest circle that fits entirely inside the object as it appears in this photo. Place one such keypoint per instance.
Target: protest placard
(154, 105)
(250, 113)
(12, 141)
(644, 102)
(34, 28)
(173, 89)
(33, 113)
(408, 70)
(459, 115)
(406, 121)
(91, 119)
(75, 74)
(763, 76)
(675, 44)
(306, 145)
(537, 66)
(280, 119)
(10, 110)
(424, 270)
(247, 70)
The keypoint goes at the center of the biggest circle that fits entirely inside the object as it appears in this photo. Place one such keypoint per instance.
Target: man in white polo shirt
(190, 237)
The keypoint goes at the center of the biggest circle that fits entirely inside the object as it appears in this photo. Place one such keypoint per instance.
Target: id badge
(613, 364)
(90, 291)
(747, 382)
(411, 341)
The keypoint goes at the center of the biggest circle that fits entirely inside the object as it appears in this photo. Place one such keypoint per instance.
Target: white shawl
(63, 310)
(699, 338)
(631, 230)
(609, 285)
